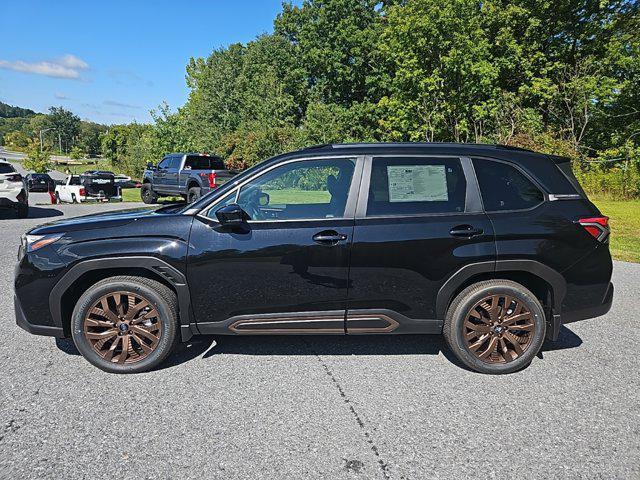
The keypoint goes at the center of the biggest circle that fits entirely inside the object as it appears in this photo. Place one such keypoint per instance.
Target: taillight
(597, 227)
(212, 179)
(83, 192)
(14, 177)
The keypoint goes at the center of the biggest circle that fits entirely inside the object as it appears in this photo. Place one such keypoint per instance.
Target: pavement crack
(384, 468)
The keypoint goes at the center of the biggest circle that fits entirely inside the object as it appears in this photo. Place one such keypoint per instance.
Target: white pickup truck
(87, 188)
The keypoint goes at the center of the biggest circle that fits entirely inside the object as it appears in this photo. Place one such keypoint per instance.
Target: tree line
(558, 77)
(59, 131)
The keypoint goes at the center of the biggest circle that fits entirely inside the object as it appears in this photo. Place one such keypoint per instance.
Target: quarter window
(504, 187)
(308, 189)
(416, 185)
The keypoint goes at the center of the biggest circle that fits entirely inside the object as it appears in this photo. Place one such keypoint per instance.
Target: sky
(114, 61)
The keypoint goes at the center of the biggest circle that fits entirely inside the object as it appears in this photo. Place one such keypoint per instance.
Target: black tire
(58, 201)
(148, 195)
(73, 198)
(163, 300)
(194, 194)
(455, 330)
(22, 210)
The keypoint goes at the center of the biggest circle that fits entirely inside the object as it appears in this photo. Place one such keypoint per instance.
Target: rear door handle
(466, 231)
(329, 237)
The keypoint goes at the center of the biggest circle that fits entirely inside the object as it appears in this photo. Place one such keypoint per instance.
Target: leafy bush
(38, 161)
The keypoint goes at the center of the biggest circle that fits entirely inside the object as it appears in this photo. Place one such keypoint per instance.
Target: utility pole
(41, 132)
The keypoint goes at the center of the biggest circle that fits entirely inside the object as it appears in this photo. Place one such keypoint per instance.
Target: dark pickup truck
(189, 175)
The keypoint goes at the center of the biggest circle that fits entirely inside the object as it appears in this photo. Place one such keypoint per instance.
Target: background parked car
(189, 175)
(13, 193)
(88, 187)
(39, 182)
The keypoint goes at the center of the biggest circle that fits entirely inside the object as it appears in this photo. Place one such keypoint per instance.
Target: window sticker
(417, 183)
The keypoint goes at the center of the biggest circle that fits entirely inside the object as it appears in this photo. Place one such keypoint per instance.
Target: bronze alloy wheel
(123, 327)
(498, 329)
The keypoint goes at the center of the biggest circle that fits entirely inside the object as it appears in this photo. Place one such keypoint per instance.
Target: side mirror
(150, 166)
(232, 215)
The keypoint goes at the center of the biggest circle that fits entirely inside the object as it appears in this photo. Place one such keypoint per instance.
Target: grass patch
(624, 218)
(131, 195)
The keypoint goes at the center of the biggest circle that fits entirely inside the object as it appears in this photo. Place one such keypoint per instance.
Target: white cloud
(71, 61)
(68, 66)
(60, 96)
(113, 103)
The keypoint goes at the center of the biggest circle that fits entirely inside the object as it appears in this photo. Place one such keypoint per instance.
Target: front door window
(309, 189)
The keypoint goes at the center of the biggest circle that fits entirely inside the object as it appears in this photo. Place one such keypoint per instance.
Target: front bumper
(22, 322)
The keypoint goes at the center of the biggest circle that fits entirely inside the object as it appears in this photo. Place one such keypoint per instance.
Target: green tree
(89, 137)
(76, 153)
(66, 125)
(16, 140)
(37, 160)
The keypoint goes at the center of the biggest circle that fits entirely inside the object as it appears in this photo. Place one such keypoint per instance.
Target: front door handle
(466, 231)
(329, 237)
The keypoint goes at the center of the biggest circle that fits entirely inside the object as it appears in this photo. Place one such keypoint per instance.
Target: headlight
(35, 242)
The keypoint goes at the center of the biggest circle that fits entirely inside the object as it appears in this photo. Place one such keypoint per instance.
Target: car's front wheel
(126, 324)
(495, 326)
(148, 195)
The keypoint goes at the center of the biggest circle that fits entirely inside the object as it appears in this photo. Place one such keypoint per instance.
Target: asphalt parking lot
(320, 407)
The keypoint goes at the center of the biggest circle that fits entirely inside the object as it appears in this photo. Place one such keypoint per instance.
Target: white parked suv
(13, 193)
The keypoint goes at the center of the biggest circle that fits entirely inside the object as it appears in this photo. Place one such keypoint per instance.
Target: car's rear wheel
(58, 201)
(126, 324)
(495, 326)
(147, 194)
(194, 194)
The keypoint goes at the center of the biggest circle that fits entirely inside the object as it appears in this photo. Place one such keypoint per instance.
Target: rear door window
(416, 186)
(175, 162)
(504, 187)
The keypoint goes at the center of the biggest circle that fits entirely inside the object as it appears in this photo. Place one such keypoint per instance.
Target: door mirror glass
(232, 215)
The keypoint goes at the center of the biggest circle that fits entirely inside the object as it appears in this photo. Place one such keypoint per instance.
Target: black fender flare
(194, 182)
(544, 272)
(152, 264)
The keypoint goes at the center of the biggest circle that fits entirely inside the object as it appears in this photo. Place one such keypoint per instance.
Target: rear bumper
(22, 322)
(591, 312)
(101, 198)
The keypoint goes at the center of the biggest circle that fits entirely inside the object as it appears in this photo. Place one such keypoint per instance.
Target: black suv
(492, 246)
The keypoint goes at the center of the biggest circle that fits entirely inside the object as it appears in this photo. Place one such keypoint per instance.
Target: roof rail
(328, 146)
